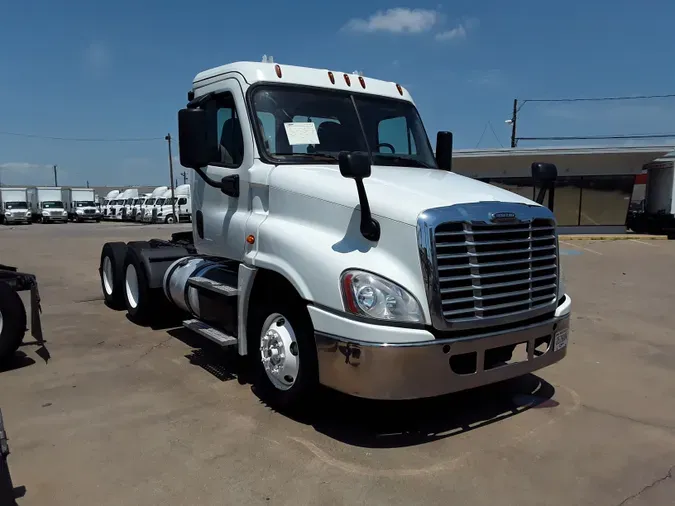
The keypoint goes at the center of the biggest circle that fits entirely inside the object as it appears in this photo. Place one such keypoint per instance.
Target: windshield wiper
(314, 156)
(408, 161)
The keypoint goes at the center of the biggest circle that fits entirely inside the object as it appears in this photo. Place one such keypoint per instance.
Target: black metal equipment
(14, 312)
(544, 175)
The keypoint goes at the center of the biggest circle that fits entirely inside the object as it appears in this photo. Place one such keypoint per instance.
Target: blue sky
(122, 69)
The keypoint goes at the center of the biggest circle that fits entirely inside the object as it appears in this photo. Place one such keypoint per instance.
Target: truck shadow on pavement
(395, 424)
(387, 424)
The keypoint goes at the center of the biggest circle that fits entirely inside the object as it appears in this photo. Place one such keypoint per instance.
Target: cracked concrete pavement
(122, 414)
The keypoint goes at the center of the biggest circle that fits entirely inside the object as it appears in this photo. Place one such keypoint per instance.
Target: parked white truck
(330, 245)
(47, 204)
(124, 202)
(149, 203)
(15, 206)
(107, 203)
(656, 213)
(180, 204)
(80, 204)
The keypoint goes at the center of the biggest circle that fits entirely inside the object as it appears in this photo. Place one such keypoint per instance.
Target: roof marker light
(347, 80)
(331, 77)
(363, 82)
(277, 69)
(400, 90)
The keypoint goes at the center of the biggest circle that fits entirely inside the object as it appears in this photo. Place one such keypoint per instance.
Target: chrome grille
(493, 270)
(88, 211)
(488, 263)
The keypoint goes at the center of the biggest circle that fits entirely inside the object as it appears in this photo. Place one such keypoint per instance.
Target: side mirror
(444, 150)
(544, 173)
(193, 138)
(354, 165)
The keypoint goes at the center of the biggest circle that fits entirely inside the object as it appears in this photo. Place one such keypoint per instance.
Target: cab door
(219, 220)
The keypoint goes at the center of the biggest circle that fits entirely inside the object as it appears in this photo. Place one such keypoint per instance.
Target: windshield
(149, 202)
(52, 205)
(85, 203)
(306, 125)
(130, 201)
(160, 202)
(16, 205)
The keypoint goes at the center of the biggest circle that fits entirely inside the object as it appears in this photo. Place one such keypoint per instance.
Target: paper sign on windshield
(301, 133)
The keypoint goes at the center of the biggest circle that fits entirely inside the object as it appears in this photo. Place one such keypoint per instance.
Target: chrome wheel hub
(279, 352)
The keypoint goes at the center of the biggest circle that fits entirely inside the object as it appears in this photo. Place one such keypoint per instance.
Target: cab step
(213, 286)
(209, 332)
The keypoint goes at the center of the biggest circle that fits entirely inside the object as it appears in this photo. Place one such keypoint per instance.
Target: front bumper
(17, 219)
(418, 369)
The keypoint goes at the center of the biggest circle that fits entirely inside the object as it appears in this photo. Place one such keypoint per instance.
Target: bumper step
(209, 332)
(213, 286)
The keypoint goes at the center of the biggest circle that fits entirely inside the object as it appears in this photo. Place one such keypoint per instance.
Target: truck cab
(81, 204)
(108, 202)
(47, 205)
(332, 245)
(15, 206)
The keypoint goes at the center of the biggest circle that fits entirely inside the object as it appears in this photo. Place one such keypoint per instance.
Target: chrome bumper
(417, 370)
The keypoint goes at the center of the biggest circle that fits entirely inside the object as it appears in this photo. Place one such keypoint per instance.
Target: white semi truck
(47, 204)
(150, 202)
(656, 213)
(80, 204)
(107, 203)
(330, 246)
(15, 206)
(177, 208)
(124, 202)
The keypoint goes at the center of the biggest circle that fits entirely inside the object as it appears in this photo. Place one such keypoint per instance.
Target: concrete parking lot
(118, 414)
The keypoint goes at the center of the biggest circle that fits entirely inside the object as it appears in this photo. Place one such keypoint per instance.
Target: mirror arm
(370, 227)
(229, 185)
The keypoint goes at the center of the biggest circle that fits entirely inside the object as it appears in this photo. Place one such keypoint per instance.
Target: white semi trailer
(330, 245)
(47, 204)
(80, 204)
(15, 206)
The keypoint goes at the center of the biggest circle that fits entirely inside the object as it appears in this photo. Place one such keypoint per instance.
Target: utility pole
(514, 118)
(184, 174)
(56, 179)
(173, 196)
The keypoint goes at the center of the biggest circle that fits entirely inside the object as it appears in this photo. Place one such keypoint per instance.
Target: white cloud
(397, 20)
(460, 31)
(97, 57)
(25, 173)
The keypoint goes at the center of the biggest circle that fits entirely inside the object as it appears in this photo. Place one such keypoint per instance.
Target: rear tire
(282, 347)
(140, 300)
(12, 322)
(111, 271)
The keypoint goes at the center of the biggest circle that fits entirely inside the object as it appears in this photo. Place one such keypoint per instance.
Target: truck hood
(398, 193)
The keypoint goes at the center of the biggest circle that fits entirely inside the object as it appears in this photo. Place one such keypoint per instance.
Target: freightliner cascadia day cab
(107, 202)
(330, 246)
(149, 202)
(182, 206)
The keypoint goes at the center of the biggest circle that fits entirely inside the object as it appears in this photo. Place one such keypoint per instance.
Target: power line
(82, 139)
(495, 134)
(481, 136)
(597, 137)
(599, 99)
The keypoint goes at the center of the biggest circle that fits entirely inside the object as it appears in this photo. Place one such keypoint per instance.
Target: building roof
(570, 161)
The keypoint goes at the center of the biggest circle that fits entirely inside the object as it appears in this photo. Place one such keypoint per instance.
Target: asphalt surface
(116, 414)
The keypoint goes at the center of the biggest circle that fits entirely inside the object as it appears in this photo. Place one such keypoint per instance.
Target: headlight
(369, 295)
(8, 213)
(64, 213)
(46, 213)
(28, 214)
(79, 211)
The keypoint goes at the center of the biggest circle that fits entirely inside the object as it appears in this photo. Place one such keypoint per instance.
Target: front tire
(12, 322)
(169, 220)
(111, 271)
(282, 346)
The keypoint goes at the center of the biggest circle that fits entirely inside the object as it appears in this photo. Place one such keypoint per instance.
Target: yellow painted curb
(612, 237)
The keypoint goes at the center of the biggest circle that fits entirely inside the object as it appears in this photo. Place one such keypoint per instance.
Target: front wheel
(170, 219)
(281, 342)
